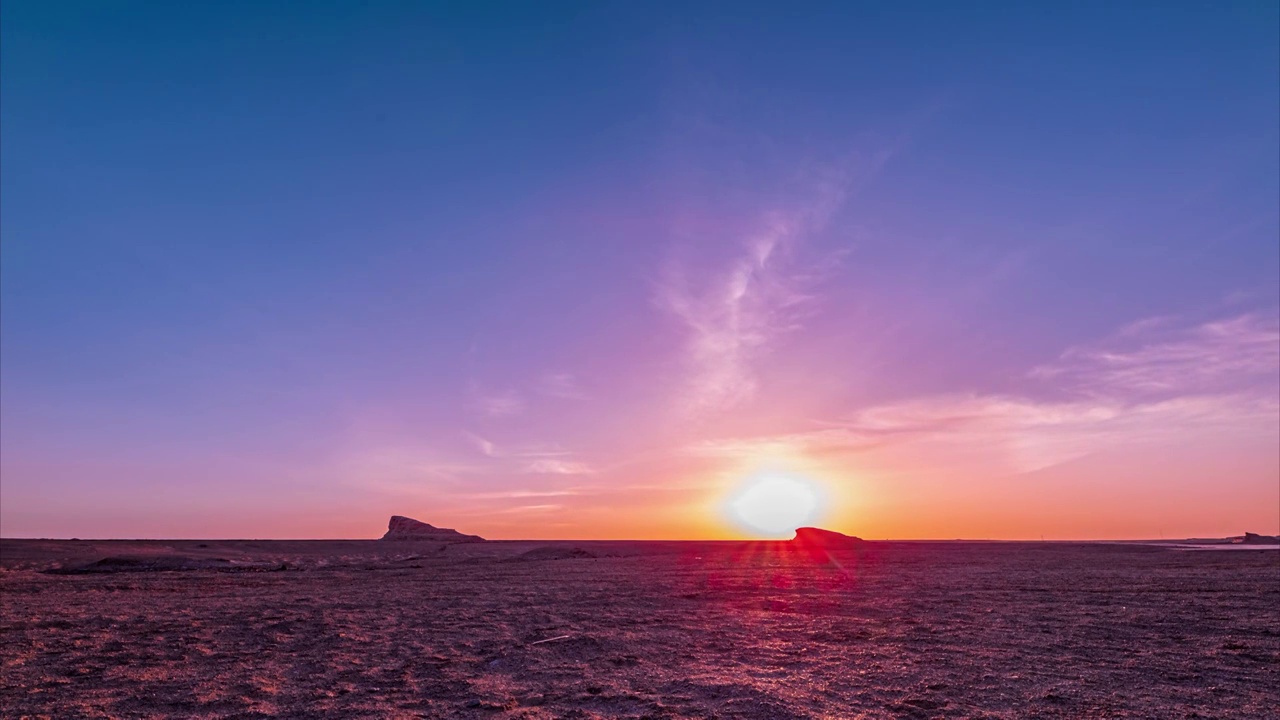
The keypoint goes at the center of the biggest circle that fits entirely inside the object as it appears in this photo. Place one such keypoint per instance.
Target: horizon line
(652, 540)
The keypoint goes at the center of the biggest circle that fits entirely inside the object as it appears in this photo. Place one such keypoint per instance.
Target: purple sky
(591, 270)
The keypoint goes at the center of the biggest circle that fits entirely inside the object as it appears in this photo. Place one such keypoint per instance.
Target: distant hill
(823, 538)
(1245, 539)
(404, 528)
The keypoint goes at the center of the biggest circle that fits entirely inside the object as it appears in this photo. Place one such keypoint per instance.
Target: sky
(600, 270)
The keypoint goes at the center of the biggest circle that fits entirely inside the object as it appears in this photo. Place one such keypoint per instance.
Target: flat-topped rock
(825, 538)
(404, 528)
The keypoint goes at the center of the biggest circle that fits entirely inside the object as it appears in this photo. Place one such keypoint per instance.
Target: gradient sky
(986, 270)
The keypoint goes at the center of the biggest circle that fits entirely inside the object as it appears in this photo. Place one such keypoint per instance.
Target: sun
(774, 504)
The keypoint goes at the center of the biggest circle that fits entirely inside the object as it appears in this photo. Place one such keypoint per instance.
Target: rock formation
(165, 563)
(554, 553)
(823, 538)
(1255, 539)
(403, 528)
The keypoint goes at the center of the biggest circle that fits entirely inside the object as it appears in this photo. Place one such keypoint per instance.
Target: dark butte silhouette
(403, 528)
(824, 538)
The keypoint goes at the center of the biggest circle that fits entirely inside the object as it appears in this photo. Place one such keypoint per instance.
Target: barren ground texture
(368, 629)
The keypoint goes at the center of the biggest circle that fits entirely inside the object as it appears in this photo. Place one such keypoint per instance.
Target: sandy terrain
(643, 630)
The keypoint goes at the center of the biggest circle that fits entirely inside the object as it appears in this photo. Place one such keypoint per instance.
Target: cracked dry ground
(655, 630)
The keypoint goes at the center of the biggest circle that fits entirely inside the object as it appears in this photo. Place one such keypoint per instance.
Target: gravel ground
(641, 630)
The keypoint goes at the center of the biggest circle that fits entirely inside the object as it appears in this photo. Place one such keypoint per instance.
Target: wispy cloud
(499, 405)
(732, 315)
(485, 447)
(1019, 434)
(407, 471)
(551, 466)
(1157, 357)
(530, 508)
(519, 494)
(520, 450)
(560, 385)
(531, 458)
(1220, 376)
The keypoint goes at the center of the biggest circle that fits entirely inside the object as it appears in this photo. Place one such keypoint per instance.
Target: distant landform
(823, 538)
(405, 528)
(1246, 539)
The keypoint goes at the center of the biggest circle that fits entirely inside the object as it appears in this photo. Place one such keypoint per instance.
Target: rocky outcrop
(1255, 539)
(165, 563)
(554, 553)
(823, 538)
(403, 528)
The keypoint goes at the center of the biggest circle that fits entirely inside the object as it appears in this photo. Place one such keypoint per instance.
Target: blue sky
(285, 269)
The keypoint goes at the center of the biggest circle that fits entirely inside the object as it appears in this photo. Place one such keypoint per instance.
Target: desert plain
(534, 630)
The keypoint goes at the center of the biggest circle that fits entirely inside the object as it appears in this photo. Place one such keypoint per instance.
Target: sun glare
(774, 505)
